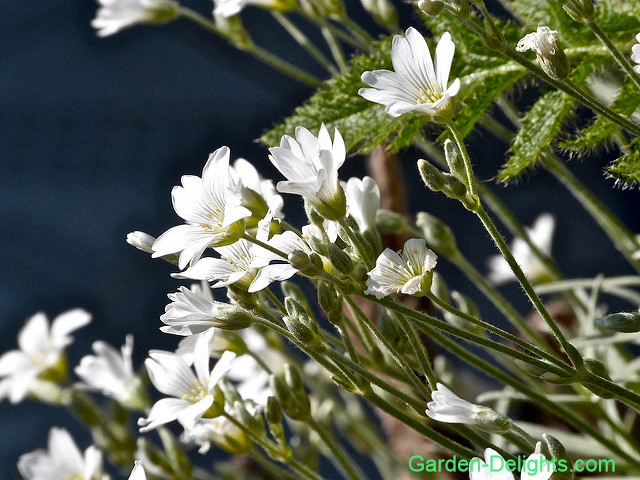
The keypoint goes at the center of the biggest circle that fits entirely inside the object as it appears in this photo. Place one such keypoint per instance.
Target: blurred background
(94, 133)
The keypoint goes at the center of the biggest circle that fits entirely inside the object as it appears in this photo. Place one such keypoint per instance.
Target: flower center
(196, 394)
(74, 476)
(215, 217)
(428, 96)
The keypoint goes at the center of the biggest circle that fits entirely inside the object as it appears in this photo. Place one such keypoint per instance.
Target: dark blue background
(95, 132)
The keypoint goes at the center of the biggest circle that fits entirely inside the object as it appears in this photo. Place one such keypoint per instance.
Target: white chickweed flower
(189, 313)
(61, 461)
(211, 207)
(541, 235)
(41, 353)
(416, 84)
(193, 395)
(635, 53)
(409, 273)
(535, 467)
(311, 165)
(115, 15)
(111, 372)
(138, 472)
(363, 202)
(142, 241)
(550, 57)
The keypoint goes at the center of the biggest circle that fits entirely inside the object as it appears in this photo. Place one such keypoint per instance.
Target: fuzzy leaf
(626, 169)
(541, 125)
(626, 103)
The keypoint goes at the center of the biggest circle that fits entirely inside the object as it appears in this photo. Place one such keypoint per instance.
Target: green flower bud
(580, 10)
(455, 160)
(290, 289)
(303, 328)
(273, 411)
(339, 259)
(431, 176)
(550, 57)
(491, 421)
(329, 300)
(463, 9)
(324, 8)
(309, 265)
(453, 187)
(551, 448)
(293, 377)
(390, 221)
(625, 322)
(438, 235)
(383, 12)
(431, 7)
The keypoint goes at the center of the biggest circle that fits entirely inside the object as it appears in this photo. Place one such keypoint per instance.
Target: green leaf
(626, 103)
(486, 89)
(541, 125)
(626, 169)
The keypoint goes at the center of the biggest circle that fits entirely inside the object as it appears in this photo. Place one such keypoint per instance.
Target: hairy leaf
(541, 125)
(626, 103)
(626, 169)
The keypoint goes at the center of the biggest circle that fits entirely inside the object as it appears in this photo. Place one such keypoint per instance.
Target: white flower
(193, 394)
(542, 42)
(311, 165)
(142, 241)
(286, 242)
(415, 85)
(211, 207)
(41, 352)
(62, 461)
(138, 472)
(111, 372)
(407, 273)
(541, 235)
(189, 313)
(251, 183)
(115, 15)
(363, 202)
(221, 431)
(535, 467)
(635, 53)
(447, 407)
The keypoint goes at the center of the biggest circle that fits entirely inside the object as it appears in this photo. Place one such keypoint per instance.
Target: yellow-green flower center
(196, 394)
(429, 96)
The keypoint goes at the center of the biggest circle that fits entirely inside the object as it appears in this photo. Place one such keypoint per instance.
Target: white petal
(443, 59)
(163, 411)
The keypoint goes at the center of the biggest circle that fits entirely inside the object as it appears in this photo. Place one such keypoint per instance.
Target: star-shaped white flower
(193, 395)
(61, 461)
(635, 53)
(406, 273)
(111, 372)
(447, 407)
(416, 84)
(115, 15)
(541, 234)
(41, 352)
(535, 467)
(311, 165)
(211, 207)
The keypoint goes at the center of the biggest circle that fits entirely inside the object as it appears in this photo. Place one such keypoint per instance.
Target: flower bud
(233, 29)
(293, 377)
(431, 7)
(390, 221)
(303, 327)
(309, 265)
(550, 57)
(142, 241)
(330, 301)
(438, 235)
(491, 421)
(453, 187)
(290, 289)
(339, 259)
(383, 12)
(551, 447)
(431, 176)
(273, 411)
(455, 160)
(463, 9)
(580, 10)
(324, 8)
(625, 322)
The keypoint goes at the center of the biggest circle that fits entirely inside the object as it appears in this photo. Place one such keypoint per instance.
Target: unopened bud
(324, 8)
(551, 448)
(383, 12)
(455, 160)
(431, 176)
(273, 411)
(310, 265)
(390, 221)
(339, 259)
(142, 241)
(625, 322)
(491, 421)
(453, 187)
(431, 7)
(437, 234)
(329, 300)
(293, 377)
(580, 10)
(290, 289)
(463, 9)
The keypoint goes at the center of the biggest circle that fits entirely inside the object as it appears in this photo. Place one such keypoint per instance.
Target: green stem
(275, 470)
(264, 245)
(304, 42)
(276, 302)
(419, 385)
(622, 60)
(345, 463)
(471, 180)
(345, 37)
(621, 237)
(357, 30)
(355, 241)
(254, 50)
(571, 352)
(348, 343)
(419, 350)
(334, 46)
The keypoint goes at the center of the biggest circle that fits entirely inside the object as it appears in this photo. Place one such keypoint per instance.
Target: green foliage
(626, 169)
(601, 130)
(541, 125)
